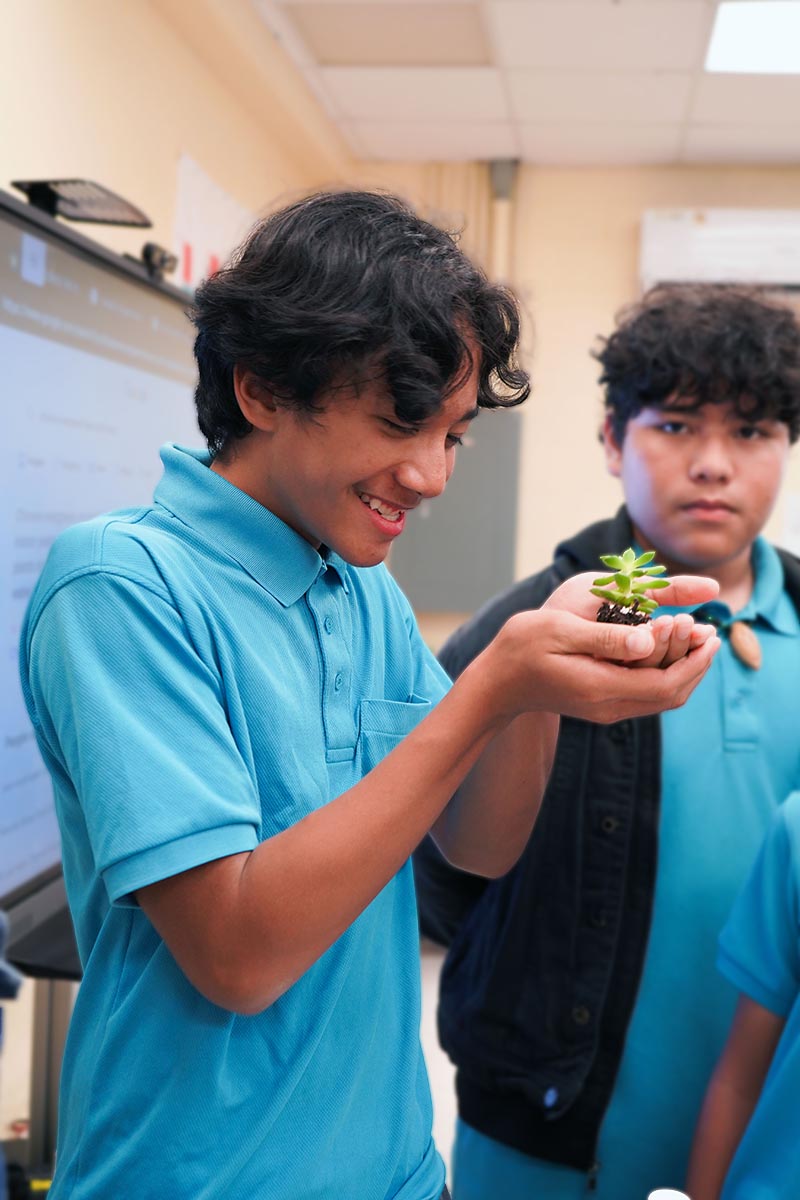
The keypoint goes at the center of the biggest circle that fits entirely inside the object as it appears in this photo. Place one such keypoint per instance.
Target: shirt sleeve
(758, 947)
(132, 723)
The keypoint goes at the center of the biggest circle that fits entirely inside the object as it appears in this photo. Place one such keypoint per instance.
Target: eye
(750, 433)
(673, 427)
(399, 430)
(455, 439)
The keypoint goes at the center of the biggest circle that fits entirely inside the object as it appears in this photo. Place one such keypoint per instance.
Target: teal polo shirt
(730, 756)
(199, 679)
(759, 952)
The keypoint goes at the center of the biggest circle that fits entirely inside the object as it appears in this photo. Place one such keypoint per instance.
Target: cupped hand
(557, 661)
(672, 637)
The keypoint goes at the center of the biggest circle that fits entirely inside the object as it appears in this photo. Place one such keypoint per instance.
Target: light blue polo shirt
(730, 755)
(759, 952)
(200, 679)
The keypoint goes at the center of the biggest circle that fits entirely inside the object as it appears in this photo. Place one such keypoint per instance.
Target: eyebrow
(468, 416)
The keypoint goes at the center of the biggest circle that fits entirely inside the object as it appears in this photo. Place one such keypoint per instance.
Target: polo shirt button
(328, 625)
(338, 680)
(581, 1014)
(609, 824)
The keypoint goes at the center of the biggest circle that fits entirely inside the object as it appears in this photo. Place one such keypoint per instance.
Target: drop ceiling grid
(566, 82)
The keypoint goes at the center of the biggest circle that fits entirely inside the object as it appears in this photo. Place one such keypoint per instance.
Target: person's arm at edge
(246, 927)
(732, 1096)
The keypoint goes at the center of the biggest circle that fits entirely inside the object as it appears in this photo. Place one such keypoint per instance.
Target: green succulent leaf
(611, 560)
(604, 580)
(656, 583)
(623, 582)
(647, 606)
(656, 570)
(645, 558)
(605, 594)
(629, 557)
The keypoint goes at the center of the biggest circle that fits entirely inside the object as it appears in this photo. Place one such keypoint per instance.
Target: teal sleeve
(759, 948)
(132, 720)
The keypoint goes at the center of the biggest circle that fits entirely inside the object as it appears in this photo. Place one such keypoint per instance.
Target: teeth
(390, 514)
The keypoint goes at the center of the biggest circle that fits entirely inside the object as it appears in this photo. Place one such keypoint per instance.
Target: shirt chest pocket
(382, 725)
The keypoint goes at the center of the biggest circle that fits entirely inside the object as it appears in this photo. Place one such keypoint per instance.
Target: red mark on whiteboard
(213, 265)
(187, 262)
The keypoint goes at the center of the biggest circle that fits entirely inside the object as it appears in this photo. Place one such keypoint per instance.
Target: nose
(425, 470)
(711, 461)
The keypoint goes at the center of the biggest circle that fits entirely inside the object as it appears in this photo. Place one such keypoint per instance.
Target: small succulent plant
(623, 591)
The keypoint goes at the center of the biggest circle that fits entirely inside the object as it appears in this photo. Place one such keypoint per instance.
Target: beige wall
(575, 265)
(116, 92)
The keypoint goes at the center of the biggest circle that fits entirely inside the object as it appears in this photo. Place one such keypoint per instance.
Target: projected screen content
(97, 373)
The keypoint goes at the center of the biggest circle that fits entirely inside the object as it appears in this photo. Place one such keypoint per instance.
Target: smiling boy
(580, 1000)
(248, 737)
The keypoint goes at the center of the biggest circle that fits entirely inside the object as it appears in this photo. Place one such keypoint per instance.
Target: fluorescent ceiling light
(758, 38)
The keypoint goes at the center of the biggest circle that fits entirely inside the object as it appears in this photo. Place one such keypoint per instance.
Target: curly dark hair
(343, 286)
(707, 343)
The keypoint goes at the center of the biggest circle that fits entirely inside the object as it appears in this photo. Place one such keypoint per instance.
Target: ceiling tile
(416, 94)
(578, 34)
(432, 141)
(742, 144)
(599, 145)
(358, 34)
(750, 99)
(599, 96)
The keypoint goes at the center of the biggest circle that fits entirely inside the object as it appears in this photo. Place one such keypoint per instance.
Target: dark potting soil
(615, 614)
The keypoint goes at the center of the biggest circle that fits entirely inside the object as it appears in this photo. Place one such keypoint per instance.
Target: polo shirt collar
(277, 557)
(768, 599)
(768, 602)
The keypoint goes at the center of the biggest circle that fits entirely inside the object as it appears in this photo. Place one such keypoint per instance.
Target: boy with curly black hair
(579, 1000)
(248, 736)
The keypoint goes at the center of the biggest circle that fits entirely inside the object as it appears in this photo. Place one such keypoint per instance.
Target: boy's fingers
(684, 590)
(674, 637)
(661, 629)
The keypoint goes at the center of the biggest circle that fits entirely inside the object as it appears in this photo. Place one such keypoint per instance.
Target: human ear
(612, 448)
(254, 399)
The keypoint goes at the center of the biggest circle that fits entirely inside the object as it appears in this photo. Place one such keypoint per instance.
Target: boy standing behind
(579, 1000)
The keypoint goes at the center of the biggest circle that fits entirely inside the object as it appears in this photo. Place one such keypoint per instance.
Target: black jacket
(544, 964)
